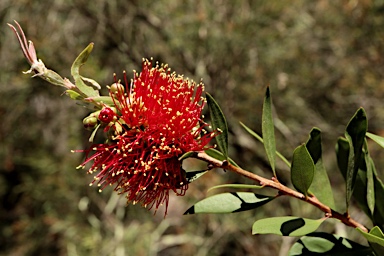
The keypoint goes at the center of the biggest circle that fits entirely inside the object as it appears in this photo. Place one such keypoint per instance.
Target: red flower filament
(157, 119)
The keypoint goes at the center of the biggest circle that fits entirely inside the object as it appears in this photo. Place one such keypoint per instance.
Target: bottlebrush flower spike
(157, 119)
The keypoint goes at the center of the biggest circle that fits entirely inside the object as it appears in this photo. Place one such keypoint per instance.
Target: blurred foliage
(323, 60)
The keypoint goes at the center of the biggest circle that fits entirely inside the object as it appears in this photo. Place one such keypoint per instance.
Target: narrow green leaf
(370, 180)
(286, 226)
(361, 186)
(75, 72)
(254, 134)
(319, 243)
(74, 95)
(302, 170)
(240, 186)
(258, 137)
(376, 138)
(374, 236)
(314, 144)
(194, 175)
(229, 202)
(376, 231)
(378, 217)
(360, 190)
(102, 99)
(219, 156)
(342, 153)
(268, 130)
(355, 134)
(54, 78)
(378, 214)
(219, 123)
(320, 187)
(186, 155)
(377, 247)
(95, 84)
(93, 134)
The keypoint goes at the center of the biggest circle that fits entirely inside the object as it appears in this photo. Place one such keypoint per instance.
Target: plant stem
(283, 190)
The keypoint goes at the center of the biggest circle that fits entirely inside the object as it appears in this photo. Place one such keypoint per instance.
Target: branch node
(274, 179)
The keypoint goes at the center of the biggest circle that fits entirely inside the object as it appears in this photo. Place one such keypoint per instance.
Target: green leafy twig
(37, 65)
(283, 190)
(78, 91)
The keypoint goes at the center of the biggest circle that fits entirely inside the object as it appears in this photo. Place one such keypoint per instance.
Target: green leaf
(376, 138)
(194, 175)
(187, 155)
(54, 78)
(355, 134)
(93, 134)
(75, 72)
(229, 202)
(268, 130)
(379, 250)
(240, 186)
(219, 123)
(286, 226)
(319, 243)
(102, 99)
(370, 180)
(376, 231)
(254, 134)
(361, 187)
(377, 247)
(360, 190)
(219, 156)
(74, 95)
(302, 170)
(374, 236)
(95, 84)
(342, 153)
(378, 217)
(313, 144)
(320, 187)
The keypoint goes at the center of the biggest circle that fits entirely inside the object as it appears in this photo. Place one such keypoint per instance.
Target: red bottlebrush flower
(157, 119)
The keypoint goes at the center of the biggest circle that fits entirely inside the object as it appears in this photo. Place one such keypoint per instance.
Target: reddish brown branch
(283, 190)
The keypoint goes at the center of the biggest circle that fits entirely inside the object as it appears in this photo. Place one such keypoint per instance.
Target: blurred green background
(322, 59)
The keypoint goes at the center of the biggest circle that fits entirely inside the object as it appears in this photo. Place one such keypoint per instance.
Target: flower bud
(107, 114)
(90, 122)
(116, 88)
(95, 114)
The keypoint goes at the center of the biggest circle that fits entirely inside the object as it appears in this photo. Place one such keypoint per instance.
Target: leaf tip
(191, 210)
